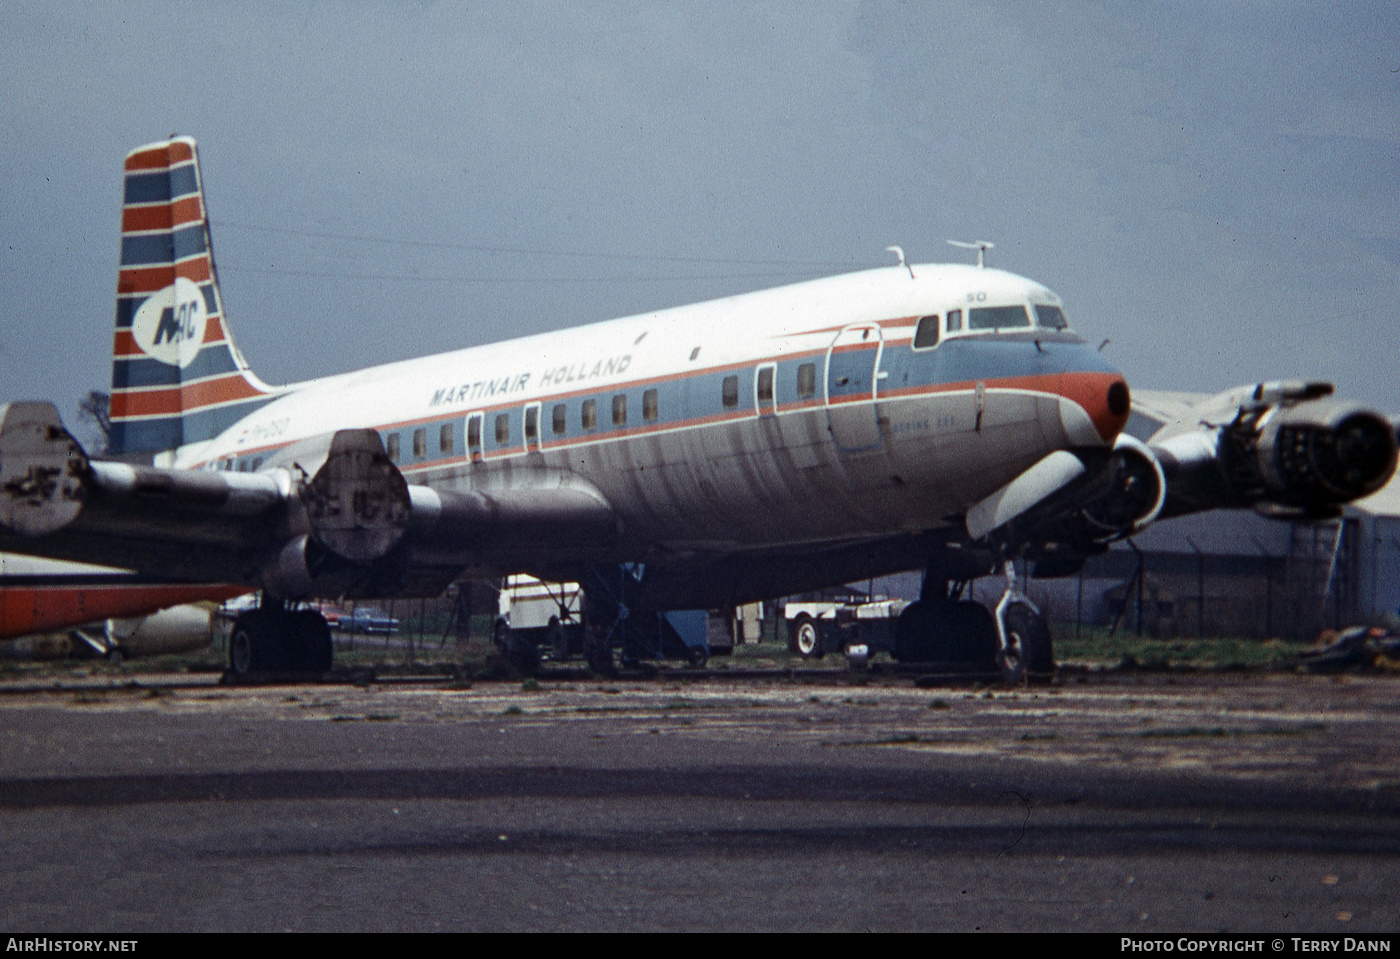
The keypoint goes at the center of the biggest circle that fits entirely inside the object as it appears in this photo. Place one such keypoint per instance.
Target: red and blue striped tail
(177, 377)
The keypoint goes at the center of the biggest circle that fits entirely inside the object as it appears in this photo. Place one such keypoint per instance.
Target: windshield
(997, 317)
(1050, 317)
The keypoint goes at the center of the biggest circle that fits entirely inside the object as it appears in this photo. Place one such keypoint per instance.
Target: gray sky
(1215, 187)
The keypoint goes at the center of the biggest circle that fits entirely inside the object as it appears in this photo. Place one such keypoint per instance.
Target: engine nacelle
(1073, 504)
(43, 470)
(1297, 453)
(1325, 453)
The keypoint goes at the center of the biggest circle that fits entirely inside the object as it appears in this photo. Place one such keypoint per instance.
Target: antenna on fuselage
(898, 251)
(981, 246)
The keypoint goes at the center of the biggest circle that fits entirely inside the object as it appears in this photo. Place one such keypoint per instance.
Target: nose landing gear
(1025, 652)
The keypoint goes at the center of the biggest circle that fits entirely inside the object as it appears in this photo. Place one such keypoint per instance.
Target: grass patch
(1126, 650)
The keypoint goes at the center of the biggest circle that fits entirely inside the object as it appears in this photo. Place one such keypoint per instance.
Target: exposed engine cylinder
(1325, 453)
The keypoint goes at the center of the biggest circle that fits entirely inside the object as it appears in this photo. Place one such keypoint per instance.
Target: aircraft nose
(1094, 407)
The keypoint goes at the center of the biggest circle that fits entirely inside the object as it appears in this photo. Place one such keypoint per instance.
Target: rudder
(177, 377)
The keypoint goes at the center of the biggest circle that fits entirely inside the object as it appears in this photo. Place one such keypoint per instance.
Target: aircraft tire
(253, 647)
(915, 631)
(807, 638)
(311, 647)
(1028, 654)
(970, 635)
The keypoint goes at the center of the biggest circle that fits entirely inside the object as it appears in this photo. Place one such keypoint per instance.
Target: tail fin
(177, 377)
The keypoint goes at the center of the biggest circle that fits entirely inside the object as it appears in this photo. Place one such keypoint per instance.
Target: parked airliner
(921, 416)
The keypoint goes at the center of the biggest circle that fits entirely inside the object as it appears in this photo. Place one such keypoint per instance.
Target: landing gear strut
(274, 639)
(1025, 652)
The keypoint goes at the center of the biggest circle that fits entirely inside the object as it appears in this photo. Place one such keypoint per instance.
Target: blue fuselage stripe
(697, 398)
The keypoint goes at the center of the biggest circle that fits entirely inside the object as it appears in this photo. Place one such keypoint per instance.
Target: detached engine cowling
(1289, 449)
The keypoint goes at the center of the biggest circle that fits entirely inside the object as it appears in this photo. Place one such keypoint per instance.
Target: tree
(96, 408)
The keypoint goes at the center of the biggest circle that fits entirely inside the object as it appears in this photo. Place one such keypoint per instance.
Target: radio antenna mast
(981, 246)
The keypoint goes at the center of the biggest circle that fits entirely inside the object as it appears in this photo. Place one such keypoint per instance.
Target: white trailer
(546, 617)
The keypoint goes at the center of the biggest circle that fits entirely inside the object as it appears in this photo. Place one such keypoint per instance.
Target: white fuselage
(799, 414)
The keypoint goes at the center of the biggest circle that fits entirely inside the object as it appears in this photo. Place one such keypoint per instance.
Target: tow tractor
(857, 625)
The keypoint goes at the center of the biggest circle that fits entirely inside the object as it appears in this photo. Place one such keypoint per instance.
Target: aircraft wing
(1288, 449)
(334, 509)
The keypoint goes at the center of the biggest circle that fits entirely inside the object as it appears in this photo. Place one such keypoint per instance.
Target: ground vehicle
(856, 624)
(537, 619)
(547, 616)
(367, 619)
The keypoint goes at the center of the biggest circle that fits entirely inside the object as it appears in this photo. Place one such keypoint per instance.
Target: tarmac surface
(1125, 803)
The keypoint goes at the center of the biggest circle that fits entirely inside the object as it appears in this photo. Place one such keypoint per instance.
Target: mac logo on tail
(169, 326)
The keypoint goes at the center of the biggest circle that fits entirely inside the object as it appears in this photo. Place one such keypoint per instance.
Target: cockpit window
(926, 334)
(1050, 317)
(997, 317)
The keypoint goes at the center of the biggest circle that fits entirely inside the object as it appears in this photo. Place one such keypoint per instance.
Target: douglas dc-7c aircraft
(935, 417)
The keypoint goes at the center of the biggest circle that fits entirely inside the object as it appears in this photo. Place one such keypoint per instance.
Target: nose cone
(1094, 407)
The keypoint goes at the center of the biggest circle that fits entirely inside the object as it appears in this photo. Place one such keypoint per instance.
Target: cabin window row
(418, 442)
(588, 419)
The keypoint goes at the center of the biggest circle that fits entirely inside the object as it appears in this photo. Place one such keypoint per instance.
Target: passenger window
(391, 446)
(502, 429)
(954, 321)
(620, 409)
(807, 380)
(588, 415)
(730, 391)
(420, 443)
(650, 410)
(532, 425)
(561, 419)
(926, 335)
(445, 438)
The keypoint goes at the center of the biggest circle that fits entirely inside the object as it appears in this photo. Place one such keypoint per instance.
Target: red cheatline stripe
(163, 217)
(149, 279)
(165, 155)
(124, 344)
(171, 401)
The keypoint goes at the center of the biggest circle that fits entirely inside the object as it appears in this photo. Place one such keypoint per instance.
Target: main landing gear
(273, 639)
(944, 628)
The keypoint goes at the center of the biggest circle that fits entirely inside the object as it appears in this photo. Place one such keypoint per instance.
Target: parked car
(367, 619)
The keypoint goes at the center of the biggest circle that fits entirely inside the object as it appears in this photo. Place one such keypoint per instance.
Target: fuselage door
(474, 422)
(532, 428)
(852, 388)
(765, 393)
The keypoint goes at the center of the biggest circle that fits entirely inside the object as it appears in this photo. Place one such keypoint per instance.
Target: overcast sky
(1214, 187)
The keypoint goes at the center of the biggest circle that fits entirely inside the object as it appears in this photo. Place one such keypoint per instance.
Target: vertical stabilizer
(177, 376)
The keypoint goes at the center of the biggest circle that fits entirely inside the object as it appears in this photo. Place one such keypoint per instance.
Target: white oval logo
(169, 326)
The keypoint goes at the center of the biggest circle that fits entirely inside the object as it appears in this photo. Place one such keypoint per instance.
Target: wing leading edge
(331, 516)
